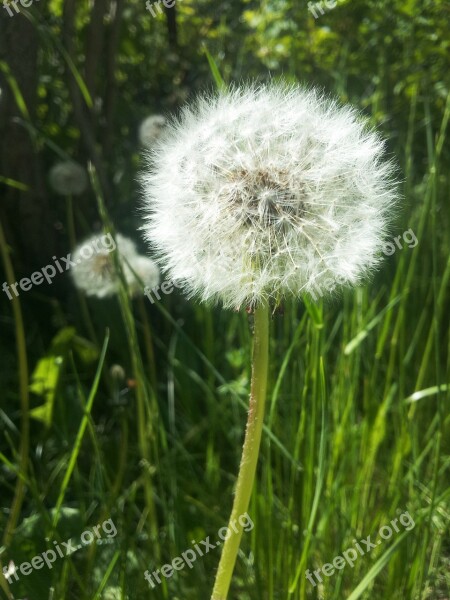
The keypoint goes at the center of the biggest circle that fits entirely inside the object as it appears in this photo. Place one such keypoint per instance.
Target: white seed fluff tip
(151, 129)
(144, 272)
(260, 193)
(95, 272)
(68, 178)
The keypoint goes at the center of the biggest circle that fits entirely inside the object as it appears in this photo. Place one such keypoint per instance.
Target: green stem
(22, 360)
(146, 401)
(71, 232)
(148, 343)
(70, 222)
(250, 453)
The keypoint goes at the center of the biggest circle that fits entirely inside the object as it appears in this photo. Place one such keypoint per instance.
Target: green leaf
(361, 336)
(315, 312)
(20, 101)
(220, 83)
(44, 382)
(14, 184)
(431, 391)
(80, 434)
(377, 567)
(86, 351)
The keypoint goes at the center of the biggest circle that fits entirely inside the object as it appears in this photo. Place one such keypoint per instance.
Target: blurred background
(119, 408)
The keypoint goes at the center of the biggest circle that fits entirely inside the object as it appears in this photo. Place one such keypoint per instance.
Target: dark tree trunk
(84, 117)
(172, 31)
(26, 214)
(110, 95)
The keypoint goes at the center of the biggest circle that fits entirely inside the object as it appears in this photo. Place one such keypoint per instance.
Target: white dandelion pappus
(144, 272)
(98, 276)
(260, 193)
(68, 178)
(151, 129)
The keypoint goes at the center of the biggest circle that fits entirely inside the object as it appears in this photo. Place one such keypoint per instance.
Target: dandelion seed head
(95, 272)
(260, 193)
(68, 178)
(151, 129)
(117, 372)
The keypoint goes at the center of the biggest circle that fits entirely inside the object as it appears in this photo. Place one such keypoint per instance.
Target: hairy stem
(250, 453)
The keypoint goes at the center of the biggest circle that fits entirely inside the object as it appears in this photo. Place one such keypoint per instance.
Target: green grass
(357, 427)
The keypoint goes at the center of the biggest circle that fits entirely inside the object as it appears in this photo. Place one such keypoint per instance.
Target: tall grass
(357, 431)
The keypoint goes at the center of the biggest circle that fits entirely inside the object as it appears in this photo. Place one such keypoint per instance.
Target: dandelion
(263, 193)
(117, 372)
(151, 129)
(259, 194)
(95, 272)
(68, 178)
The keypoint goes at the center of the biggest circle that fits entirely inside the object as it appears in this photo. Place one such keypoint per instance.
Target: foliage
(350, 436)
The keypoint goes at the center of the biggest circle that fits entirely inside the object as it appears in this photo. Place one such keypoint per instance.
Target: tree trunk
(26, 215)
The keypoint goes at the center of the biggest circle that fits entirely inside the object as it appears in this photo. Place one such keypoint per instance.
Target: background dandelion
(151, 129)
(68, 178)
(98, 274)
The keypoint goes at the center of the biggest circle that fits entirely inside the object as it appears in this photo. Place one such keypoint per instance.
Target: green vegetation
(126, 410)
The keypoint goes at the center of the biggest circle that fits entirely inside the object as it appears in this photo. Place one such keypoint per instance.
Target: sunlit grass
(357, 431)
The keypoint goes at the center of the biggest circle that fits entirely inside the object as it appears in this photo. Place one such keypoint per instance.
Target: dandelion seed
(68, 178)
(261, 193)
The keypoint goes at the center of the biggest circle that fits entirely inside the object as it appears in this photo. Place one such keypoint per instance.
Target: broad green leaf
(44, 382)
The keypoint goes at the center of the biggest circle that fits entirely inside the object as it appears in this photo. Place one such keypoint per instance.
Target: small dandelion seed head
(68, 178)
(95, 271)
(151, 129)
(117, 372)
(265, 192)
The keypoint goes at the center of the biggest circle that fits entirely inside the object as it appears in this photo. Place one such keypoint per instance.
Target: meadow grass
(357, 431)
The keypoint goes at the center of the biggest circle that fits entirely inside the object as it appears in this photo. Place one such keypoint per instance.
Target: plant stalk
(22, 360)
(250, 452)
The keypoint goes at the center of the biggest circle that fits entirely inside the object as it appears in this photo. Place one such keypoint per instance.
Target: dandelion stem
(250, 452)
